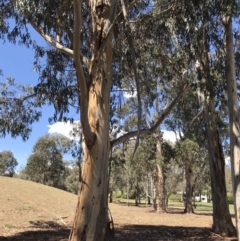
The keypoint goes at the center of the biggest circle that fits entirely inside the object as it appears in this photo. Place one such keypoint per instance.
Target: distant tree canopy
(8, 163)
(45, 165)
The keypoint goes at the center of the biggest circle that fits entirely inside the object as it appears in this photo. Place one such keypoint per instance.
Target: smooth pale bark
(234, 118)
(91, 219)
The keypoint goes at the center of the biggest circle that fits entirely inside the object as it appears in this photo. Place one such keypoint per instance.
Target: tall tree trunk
(161, 200)
(91, 221)
(161, 204)
(234, 118)
(222, 222)
(188, 177)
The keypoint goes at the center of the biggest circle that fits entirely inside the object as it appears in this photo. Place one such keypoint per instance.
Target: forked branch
(158, 122)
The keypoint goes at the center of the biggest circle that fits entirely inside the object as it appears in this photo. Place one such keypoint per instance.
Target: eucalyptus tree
(227, 11)
(18, 109)
(201, 30)
(45, 165)
(8, 163)
(82, 37)
(72, 177)
(207, 79)
(190, 156)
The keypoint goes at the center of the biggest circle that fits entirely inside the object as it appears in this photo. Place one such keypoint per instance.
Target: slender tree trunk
(188, 177)
(222, 222)
(136, 194)
(161, 207)
(193, 195)
(110, 196)
(234, 118)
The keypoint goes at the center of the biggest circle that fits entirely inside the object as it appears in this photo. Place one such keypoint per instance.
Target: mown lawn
(200, 206)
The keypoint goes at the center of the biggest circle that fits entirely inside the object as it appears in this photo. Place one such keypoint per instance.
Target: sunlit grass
(8, 225)
(200, 206)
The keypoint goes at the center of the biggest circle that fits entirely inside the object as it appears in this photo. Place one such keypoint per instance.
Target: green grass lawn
(200, 206)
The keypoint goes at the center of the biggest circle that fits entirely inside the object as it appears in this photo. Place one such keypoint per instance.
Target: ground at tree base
(131, 224)
(35, 212)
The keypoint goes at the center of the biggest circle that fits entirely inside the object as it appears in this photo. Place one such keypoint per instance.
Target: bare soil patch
(34, 212)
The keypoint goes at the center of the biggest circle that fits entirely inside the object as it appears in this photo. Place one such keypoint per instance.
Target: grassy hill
(25, 205)
(33, 212)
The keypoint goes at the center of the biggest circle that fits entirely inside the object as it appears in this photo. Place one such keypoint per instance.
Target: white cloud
(64, 128)
(170, 136)
(129, 94)
(228, 161)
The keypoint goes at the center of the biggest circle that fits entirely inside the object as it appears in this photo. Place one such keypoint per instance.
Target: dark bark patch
(84, 233)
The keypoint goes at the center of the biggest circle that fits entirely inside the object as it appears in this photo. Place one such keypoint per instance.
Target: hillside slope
(25, 205)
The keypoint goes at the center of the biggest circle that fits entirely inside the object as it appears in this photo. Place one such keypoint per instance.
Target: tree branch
(132, 49)
(158, 122)
(54, 43)
(194, 119)
(51, 41)
(88, 134)
(20, 100)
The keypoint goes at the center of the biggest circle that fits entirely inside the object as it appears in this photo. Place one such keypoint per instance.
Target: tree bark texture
(91, 222)
(188, 177)
(222, 222)
(234, 119)
(136, 194)
(161, 199)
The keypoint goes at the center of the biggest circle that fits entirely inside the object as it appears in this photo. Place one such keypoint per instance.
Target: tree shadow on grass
(41, 231)
(165, 233)
(53, 231)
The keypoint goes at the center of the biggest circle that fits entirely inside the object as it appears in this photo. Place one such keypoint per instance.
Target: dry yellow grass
(33, 212)
(25, 204)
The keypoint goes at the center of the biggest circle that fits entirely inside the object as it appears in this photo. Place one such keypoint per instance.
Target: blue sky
(17, 61)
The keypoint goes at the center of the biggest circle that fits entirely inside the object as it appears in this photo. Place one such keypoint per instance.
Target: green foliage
(8, 163)
(175, 197)
(72, 179)
(230, 198)
(18, 109)
(187, 151)
(46, 164)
